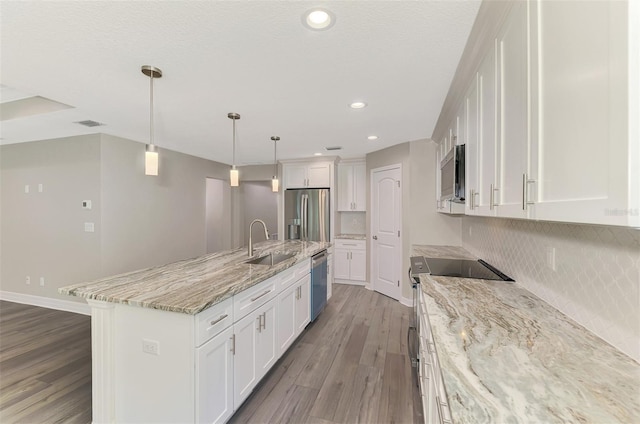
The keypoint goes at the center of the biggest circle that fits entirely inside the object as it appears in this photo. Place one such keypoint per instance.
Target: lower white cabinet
(350, 260)
(434, 396)
(294, 312)
(214, 379)
(175, 367)
(255, 350)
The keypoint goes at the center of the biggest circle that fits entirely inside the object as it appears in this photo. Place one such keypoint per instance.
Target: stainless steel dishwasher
(318, 283)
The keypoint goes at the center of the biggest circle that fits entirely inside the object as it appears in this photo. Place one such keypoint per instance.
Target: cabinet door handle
(215, 321)
(375, 237)
(233, 344)
(525, 182)
(259, 318)
(253, 299)
(493, 203)
(349, 244)
(471, 193)
(264, 320)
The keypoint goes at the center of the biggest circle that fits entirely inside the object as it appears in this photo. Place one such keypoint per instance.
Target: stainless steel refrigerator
(306, 214)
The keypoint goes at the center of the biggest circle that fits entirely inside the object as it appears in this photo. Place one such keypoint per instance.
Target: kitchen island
(188, 341)
(507, 356)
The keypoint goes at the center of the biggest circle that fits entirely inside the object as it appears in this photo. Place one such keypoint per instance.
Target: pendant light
(275, 184)
(151, 151)
(233, 174)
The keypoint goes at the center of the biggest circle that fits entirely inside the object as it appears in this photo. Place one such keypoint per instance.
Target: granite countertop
(193, 285)
(508, 356)
(352, 236)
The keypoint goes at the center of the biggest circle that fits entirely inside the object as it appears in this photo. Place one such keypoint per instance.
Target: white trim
(46, 302)
(406, 301)
(350, 282)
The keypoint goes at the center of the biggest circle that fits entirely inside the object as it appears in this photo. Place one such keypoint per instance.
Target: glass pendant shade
(234, 177)
(275, 185)
(151, 160)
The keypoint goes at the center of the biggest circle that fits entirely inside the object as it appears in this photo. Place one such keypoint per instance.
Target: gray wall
(147, 220)
(420, 223)
(42, 234)
(427, 225)
(259, 203)
(140, 221)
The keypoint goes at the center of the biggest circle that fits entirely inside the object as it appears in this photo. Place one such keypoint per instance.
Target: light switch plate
(89, 227)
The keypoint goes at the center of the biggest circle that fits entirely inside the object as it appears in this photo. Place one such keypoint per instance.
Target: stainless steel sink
(270, 259)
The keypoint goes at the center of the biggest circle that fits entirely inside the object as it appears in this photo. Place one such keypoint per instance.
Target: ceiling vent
(90, 123)
(333, 148)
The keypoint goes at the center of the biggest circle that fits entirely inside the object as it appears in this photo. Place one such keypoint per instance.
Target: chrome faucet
(266, 234)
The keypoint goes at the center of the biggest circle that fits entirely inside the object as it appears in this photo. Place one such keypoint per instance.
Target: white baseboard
(407, 301)
(350, 282)
(46, 302)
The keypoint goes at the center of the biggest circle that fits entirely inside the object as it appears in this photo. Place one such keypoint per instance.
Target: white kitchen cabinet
(302, 316)
(472, 181)
(307, 174)
(352, 181)
(214, 379)
(294, 312)
(513, 116)
(557, 116)
(584, 164)
(488, 148)
(255, 349)
(350, 260)
(434, 396)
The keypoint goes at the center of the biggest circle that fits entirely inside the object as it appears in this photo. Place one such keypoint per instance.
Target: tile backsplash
(353, 223)
(596, 280)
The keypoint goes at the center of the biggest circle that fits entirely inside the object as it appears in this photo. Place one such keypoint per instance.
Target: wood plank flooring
(350, 366)
(45, 365)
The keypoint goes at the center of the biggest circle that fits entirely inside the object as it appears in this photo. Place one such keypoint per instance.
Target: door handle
(375, 237)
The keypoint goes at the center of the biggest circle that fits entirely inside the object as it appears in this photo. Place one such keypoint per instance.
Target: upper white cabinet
(551, 115)
(584, 146)
(352, 183)
(307, 174)
(513, 113)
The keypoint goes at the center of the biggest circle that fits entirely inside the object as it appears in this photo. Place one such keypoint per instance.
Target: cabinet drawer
(293, 274)
(350, 244)
(212, 321)
(254, 297)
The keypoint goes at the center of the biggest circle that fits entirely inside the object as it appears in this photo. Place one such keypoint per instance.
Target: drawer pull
(253, 299)
(215, 321)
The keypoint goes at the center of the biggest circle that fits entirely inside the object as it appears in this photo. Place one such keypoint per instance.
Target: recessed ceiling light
(317, 154)
(372, 137)
(318, 19)
(357, 105)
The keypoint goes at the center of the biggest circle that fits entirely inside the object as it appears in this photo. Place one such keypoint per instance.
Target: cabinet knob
(375, 237)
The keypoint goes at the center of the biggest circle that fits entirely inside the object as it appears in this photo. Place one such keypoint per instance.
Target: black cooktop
(465, 268)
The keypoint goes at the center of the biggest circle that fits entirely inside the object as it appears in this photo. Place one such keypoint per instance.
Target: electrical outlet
(151, 346)
(89, 227)
(40, 188)
(41, 281)
(551, 258)
(27, 280)
(26, 189)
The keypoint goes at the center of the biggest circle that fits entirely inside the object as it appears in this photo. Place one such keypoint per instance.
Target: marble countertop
(193, 285)
(352, 236)
(508, 356)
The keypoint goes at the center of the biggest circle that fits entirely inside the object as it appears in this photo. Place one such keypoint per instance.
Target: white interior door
(386, 246)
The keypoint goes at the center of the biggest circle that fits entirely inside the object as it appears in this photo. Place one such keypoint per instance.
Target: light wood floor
(350, 366)
(45, 365)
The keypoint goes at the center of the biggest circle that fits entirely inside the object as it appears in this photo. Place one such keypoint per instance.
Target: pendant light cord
(234, 143)
(151, 108)
(275, 160)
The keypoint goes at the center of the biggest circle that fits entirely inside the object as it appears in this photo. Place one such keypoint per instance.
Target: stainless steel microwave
(452, 175)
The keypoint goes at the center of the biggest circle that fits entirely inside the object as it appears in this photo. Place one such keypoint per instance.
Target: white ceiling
(254, 58)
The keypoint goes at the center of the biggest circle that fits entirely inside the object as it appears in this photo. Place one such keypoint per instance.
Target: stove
(465, 268)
